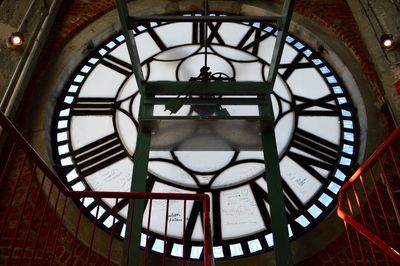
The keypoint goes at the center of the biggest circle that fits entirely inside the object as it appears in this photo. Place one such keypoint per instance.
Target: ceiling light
(387, 42)
(16, 40)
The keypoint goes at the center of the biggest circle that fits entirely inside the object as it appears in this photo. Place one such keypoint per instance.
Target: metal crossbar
(134, 19)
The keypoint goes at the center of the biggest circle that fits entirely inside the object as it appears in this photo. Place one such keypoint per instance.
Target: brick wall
(39, 239)
(334, 15)
(74, 16)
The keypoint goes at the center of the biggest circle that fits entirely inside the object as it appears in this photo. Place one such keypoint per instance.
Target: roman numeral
(216, 210)
(214, 33)
(156, 38)
(118, 227)
(295, 64)
(305, 104)
(117, 64)
(98, 155)
(196, 212)
(199, 31)
(92, 205)
(114, 210)
(119, 206)
(255, 36)
(316, 151)
(118, 223)
(151, 180)
(292, 202)
(261, 197)
(94, 106)
(168, 247)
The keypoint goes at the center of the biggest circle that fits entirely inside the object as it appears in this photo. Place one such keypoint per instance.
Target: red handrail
(39, 227)
(18, 139)
(382, 160)
(372, 159)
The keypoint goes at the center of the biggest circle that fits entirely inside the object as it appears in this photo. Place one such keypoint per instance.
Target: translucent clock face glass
(96, 121)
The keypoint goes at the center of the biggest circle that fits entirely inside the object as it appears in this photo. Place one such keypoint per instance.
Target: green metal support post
(282, 248)
(283, 255)
(130, 43)
(136, 208)
(141, 156)
(287, 12)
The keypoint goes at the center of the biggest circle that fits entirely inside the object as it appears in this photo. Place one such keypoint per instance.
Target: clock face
(96, 119)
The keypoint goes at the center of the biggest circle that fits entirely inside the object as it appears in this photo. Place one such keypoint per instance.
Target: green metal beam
(283, 255)
(204, 101)
(130, 43)
(287, 12)
(198, 117)
(204, 88)
(280, 232)
(136, 208)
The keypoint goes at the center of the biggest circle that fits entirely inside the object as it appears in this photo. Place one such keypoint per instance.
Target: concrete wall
(33, 19)
(374, 18)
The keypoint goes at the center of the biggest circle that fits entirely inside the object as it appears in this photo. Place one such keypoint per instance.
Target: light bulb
(387, 41)
(16, 40)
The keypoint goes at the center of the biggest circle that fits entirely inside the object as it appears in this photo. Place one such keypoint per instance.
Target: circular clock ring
(315, 123)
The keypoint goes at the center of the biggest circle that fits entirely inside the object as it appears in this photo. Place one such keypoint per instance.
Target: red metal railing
(369, 206)
(40, 224)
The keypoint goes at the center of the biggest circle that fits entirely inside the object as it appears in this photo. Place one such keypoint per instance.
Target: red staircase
(369, 206)
(41, 224)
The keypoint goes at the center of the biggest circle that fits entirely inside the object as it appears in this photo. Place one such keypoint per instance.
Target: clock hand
(210, 110)
(205, 33)
(175, 104)
(222, 111)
